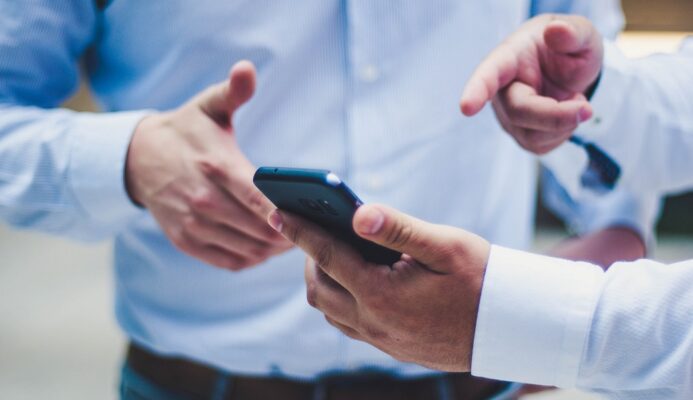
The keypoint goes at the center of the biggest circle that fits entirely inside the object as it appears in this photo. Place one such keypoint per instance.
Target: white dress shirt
(626, 332)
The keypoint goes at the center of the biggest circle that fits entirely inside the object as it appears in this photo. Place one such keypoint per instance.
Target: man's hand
(537, 80)
(421, 309)
(186, 168)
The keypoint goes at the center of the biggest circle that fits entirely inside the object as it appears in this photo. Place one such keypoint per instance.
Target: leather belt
(197, 381)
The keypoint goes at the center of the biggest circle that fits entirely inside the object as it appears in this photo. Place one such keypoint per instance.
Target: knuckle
(400, 234)
(542, 142)
(190, 224)
(532, 149)
(293, 233)
(179, 239)
(234, 264)
(521, 138)
(348, 332)
(537, 149)
(253, 197)
(273, 238)
(312, 293)
(543, 149)
(203, 200)
(498, 108)
(258, 253)
(513, 105)
(374, 333)
(212, 168)
(550, 17)
(352, 334)
(513, 117)
(537, 136)
(562, 123)
(455, 250)
(230, 265)
(261, 251)
(514, 111)
(517, 133)
(331, 321)
(324, 255)
(581, 19)
(375, 300)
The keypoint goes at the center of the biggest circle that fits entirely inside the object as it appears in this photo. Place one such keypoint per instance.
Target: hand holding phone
(321, 197)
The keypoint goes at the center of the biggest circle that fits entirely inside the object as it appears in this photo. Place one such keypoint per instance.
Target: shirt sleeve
(643, 117)
(582, 212)
(534, 317)
(60, 171)
(624, 332)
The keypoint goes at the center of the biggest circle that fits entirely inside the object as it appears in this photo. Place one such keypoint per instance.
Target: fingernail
(275, 221)
(584, 114)
(371, 221)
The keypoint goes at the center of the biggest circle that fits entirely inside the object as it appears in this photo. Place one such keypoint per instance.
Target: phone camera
(311, 205)
(328, 207)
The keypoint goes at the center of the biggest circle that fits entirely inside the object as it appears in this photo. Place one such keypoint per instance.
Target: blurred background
(58, 337)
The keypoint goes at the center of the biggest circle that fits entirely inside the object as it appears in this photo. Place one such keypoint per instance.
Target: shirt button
(369, 73)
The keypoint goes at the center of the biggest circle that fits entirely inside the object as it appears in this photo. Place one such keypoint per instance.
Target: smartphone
(321, 197)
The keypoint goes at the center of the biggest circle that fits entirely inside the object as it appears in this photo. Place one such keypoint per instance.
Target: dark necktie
(602, 172)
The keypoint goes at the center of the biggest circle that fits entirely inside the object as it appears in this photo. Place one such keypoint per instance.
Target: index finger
(495, 72)
(237, 181)
(528, 109)
(336, 258)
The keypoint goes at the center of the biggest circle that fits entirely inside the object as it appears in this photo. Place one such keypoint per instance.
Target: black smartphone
(321, 197)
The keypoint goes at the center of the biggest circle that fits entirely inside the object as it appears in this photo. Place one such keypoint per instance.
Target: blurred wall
(660, 15)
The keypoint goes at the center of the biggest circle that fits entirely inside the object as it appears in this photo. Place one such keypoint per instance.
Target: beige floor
(58, 339)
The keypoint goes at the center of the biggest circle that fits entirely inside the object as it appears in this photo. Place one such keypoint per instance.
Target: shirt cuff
(96, 173)
(534, 318)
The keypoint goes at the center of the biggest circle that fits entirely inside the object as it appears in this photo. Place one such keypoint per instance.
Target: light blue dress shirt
(368, 89)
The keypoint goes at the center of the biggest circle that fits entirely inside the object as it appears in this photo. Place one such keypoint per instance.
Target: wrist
(133, 185)
(604, 247)
(98, 151)
(474, 282)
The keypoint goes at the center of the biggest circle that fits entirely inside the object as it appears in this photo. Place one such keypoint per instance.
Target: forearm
(603, 247)
(617, 226)
(62, 172)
